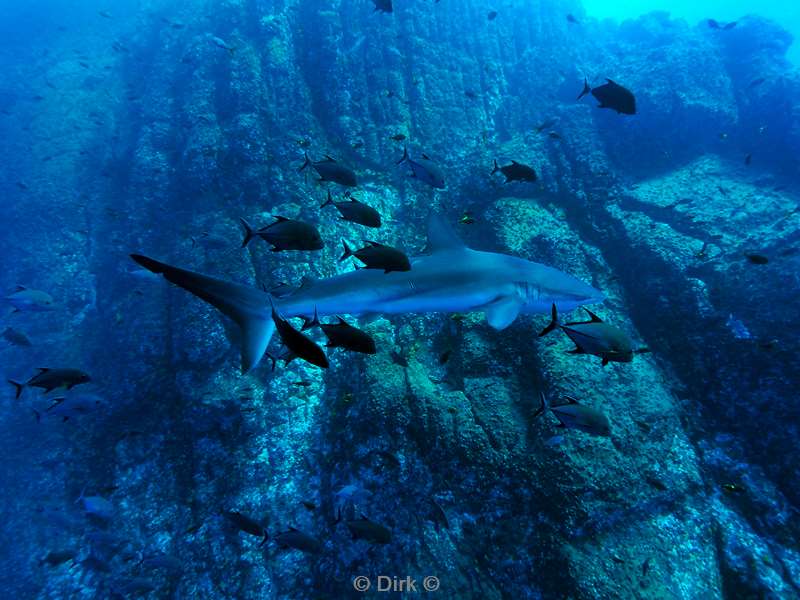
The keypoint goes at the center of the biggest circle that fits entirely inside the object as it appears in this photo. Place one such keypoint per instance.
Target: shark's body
(450, 278)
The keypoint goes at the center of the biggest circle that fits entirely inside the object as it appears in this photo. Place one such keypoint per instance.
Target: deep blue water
(496, 300)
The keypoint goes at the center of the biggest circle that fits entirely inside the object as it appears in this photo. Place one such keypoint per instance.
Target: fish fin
(18, 387)
(245, 305)
(543, 406)
(264, 541)
(495, 169)
(42, 369)
(605, 361)
(425, 156)
(328, 201)
(441, 235)
(644, 350)
(561, 424)
(249, 234)
(553, 322)
(279, 219)
(502, 312)
(576, 350)
(329, 158)
(405, 155)
(37, 415)
(594, 317)
(513, 162)
(586, 88)
(20, 288)
(571, 400)
(305, 163)
(310, 323)
(348, 252)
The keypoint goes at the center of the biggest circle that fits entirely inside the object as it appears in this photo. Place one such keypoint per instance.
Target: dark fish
(730, 25)
(16, 338)
(646, 567)
(594, 337)
(492, 15)
(369, 531)
(378, 256)
(445, 356)
(384, 6)
(577, 416)
(398, 358)
(756, 82)
(344, 335)
(757, 259)
(554, 136)
(515, 172)
(58, 557)
(549, 123)
(571, 19)
(355, 211)
(298, 344)
(308, 505)
(471, 95)
(713, 24)
(246, 524)
(424, 169)
(612, 95)
(357, 145)
(732, 488)
(398, 137)
(330, 170)
(466, 219)
(438, 516)
(748, 159)
(586, 89)
(298, 540)
(285, 234)
(105, 14)
(302, 383)
(52, 379)
(220, 43)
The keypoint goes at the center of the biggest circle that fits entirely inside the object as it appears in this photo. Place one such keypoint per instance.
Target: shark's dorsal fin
(441, 236)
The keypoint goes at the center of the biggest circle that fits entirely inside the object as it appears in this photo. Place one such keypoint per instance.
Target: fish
(210, 241)
(398, 359)
(308, 505)
(445, 356)
(449, 278)
(16, 338)
(467, 219)
(729, 26)
(330, 170)
(220, 43)
(586, 88)
(247, 524)
(398, 137)
(612, 95)
(105, 14)
(437, 515)
(748, 159)
(554, 136)
(297, 540)
(712, 23)
(369, 531)
(378, 256)
(572, 19)
(732, 488)
(344, 335)
(738, 328)
(52, 379)
(298, 344)
(71, 406)
(55, 558)
(515, 172)
(355, 211)
(162, 562)
(24, 299)
(594, 337)
(96, 506)
(577, 416)
(545, 125)
(471, 94)
(132, 586)
(424, 169)
(757, 259)
(384, 6)
(285, 234)
(756, 82)
(492, 15)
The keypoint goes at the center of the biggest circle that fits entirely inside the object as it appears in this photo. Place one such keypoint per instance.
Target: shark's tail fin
(18, 387)
(247, 306)
(496, 168)
(249, 234)
(553, 322)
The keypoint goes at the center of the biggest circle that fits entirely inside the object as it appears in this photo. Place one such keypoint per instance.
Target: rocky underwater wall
(165, 139)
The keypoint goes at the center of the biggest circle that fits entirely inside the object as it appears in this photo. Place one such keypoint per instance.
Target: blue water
(307, 299)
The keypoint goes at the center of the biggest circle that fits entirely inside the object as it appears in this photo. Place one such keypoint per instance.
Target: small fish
(573, 415)
(344, 335)
(646, 567)
(330, 170)
(554, 136)
(492, 15)
(398, 137)
(756, 82)
(209, 241)
(162, 562)
(52, 379)
(614, 96)
(285, 234)
(738, 328)
(105, 14)
(471, 94)
(302, 383)
(757, 259)
(220, 43)
(424, 169)
(16, 338)
(730, 25)
(55, 558)
(594, 337)
(722, 190)
(445, 356)
(545, 125)
(713, 24)
(466, 219)
(386, 457)
(384, 6)
(356, 145)
(97, 506)
(378, 256)
(27, 300)
(732, 488)
(246, 524)
(355, 211)
(72, 406)
(132, 586)
(572, 19)
(369, 531)
(748, 159)
(298, 344)
(308, 505)
(515, 172)
(303, 142)
(297, 540)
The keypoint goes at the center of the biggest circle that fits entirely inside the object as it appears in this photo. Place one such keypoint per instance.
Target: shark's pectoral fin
(502, 312)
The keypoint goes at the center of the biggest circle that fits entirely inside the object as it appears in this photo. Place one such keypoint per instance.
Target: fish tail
(266, 537)
(405, 155)
(553, 322)
(79, 498)
(496, 168)
(247, 306)
(18, 387)
(305, 163)
(249, 234)
(310, 323)
(37, 415)
(586, 88)
(347, 251)
(543, 407)
(328, 201)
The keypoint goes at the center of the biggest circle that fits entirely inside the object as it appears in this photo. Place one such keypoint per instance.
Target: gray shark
(450, 277)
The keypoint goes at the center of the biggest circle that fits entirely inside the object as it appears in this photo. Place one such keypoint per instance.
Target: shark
(449, 277)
